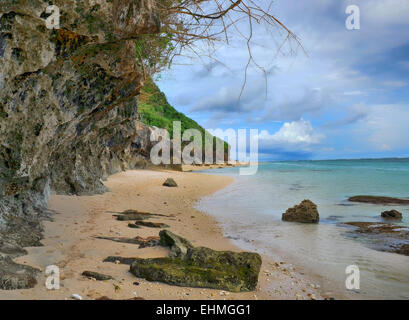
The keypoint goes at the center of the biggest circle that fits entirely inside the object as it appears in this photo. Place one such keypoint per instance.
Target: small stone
(312, 296)
(170, 183)
(76, 296)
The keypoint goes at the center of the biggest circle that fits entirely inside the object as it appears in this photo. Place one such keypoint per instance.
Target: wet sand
(70, 242)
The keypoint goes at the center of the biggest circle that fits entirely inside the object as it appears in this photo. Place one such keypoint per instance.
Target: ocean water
(250, 212)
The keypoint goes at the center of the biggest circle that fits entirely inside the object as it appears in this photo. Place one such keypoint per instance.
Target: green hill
(155, 110)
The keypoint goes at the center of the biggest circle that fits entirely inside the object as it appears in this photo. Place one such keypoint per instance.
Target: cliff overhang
(68, 110)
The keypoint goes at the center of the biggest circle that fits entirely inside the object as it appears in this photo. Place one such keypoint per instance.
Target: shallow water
(250, 211)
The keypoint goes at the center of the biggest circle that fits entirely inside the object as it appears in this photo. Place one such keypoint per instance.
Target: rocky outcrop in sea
(305, 212)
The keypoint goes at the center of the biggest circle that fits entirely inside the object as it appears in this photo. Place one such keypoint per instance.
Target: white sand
(70, 243)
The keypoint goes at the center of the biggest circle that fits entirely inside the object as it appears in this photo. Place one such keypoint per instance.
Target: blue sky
(347, 98)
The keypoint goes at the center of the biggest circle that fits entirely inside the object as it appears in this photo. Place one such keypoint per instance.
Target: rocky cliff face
(67, 108)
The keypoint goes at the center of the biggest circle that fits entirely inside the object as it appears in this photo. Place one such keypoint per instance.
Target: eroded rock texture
(67, 105)
(305, 212)
(199, 267)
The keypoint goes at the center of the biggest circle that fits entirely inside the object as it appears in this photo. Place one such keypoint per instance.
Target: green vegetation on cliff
(155, 110)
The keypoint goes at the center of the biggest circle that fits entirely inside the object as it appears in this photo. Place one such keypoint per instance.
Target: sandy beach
(70, 242)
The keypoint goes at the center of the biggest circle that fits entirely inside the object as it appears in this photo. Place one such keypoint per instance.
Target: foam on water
(250, 211)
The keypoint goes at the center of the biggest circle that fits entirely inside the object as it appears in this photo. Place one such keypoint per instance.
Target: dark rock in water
(16, 276)
(121, 260)
(138, 224)
(200, 267)
(143, 243)
(305, 212)
(392, 214)
(96, 275)
(403, 249)
(380, 228)
(378, 200)
(170, 183)
(382, 236)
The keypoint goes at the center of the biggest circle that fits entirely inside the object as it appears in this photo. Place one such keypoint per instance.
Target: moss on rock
(200, 267)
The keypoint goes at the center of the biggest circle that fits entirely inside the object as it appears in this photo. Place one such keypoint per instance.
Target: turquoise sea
(250, 212)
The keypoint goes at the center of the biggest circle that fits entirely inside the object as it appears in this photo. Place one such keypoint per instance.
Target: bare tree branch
(190, 25)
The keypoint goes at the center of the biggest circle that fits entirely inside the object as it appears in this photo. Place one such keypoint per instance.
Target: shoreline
(69, 242)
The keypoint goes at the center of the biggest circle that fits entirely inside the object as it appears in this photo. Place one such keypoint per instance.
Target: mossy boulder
(305, 212)
(200, 267)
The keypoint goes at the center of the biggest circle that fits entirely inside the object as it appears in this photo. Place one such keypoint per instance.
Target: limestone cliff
(67, 109)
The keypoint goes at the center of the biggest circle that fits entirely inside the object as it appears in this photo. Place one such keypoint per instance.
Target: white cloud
(344, 74)
(292, 134)
(386, 12)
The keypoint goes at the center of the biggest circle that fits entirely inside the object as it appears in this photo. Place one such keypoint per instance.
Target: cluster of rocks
(187, 265)
(202, 267)
(380, 236)
(383, 236)
(198, 267)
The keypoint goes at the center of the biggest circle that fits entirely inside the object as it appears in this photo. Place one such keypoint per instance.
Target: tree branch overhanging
(190, 25)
